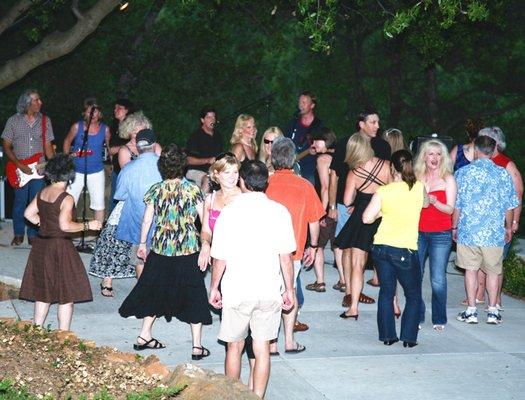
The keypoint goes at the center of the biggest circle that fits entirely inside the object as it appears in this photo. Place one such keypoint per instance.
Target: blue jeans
(435, 245)
(395, 264)
(23, 196)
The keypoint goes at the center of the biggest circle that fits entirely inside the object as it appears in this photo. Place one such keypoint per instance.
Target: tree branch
(76, 10)
(18, 9)
(56, 44)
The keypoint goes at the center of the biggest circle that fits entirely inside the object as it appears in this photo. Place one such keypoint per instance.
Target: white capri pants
(95, 185)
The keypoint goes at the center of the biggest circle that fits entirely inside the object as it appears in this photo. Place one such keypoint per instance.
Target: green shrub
(514, 282)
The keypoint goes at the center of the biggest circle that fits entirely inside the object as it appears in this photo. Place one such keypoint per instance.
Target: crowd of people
(261, 214)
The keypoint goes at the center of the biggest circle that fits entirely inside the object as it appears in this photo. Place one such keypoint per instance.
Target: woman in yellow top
(395, 248)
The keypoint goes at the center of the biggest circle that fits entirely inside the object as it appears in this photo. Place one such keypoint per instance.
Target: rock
(153, 366)
(121, 357)
(207, 385)
(63, 335)
(23, 324)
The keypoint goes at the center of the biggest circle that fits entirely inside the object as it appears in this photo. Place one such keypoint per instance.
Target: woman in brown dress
(54, 272)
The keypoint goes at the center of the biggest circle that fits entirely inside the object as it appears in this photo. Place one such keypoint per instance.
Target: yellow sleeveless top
(401, 208)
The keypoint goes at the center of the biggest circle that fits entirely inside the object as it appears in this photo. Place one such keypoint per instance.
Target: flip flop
(155, 345)
(299, 348)
(371, 283)
(274, 353)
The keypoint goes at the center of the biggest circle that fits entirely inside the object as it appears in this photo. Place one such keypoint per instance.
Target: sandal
(339, 286)
(204, 353)
(299, 348)
(439, 328)
(464, 302)
(316, 287)
(152, 344)
(106, 291)
(363, 298)
(372, 283)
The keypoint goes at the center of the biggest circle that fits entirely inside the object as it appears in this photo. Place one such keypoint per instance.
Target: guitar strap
(44, 129)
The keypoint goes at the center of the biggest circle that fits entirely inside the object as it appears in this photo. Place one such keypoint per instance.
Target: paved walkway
(344, 359)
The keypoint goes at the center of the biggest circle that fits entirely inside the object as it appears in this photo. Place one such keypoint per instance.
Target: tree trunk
(432, 98)
(395, 77)
(128, 78)
(14, 12)
(56, 44)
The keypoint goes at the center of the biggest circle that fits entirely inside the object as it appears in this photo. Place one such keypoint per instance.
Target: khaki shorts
(133, 259)
(488, 259)
(262, 317)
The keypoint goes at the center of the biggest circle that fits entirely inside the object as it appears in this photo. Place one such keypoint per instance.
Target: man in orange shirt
(299, 197)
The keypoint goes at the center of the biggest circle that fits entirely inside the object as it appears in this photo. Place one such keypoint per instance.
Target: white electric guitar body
(23, 178)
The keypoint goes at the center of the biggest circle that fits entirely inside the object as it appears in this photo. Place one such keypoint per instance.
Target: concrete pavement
(344, 359)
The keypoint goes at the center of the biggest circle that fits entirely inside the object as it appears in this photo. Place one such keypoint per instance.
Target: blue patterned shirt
(485, 192)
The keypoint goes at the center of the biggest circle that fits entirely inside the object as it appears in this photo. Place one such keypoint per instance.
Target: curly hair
(172, 162)
(60, 169)
(132, 124)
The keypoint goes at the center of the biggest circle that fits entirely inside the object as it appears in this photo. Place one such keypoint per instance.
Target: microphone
(94, 107)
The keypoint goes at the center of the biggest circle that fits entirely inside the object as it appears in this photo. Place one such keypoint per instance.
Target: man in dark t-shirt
(203, 146)
(367, 125)
(301, 129)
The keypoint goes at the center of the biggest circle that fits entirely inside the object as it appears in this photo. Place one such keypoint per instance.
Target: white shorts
(95, 185)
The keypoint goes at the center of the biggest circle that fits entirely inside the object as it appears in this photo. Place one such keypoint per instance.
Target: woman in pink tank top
(224, 173)
(433, 168)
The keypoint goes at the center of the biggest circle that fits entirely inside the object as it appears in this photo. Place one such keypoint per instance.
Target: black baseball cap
(146, 135)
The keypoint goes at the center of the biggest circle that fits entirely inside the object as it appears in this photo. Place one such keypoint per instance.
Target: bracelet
(455, 229)
(514, 222)
(142, 243)
(314, 246)
(86, 226)
(332, 207)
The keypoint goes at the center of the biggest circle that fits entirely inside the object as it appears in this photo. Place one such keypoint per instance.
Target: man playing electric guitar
(27, 133)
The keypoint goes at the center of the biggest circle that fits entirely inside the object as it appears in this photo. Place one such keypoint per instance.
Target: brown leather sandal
(316, 287)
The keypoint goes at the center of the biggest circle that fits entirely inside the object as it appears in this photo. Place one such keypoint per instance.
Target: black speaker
(418, 141)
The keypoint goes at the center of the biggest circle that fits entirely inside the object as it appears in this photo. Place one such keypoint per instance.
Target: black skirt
(169, 287)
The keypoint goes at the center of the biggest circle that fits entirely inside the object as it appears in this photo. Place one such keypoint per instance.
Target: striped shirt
(26, 138)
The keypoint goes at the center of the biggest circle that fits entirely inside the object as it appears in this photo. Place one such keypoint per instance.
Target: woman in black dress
(54, 271)
(367, 173)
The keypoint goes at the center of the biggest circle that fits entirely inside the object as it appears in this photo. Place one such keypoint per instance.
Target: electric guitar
(18, 178)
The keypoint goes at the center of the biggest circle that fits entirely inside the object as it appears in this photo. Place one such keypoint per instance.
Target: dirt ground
(59, 364)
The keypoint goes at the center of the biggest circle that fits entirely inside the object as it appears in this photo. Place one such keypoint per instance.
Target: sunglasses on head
(266, 141)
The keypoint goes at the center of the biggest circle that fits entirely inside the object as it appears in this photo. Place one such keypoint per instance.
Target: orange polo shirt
(299, 197)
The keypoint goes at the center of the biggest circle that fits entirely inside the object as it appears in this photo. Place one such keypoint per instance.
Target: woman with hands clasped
(171, 284)
(54, 271)
(433, 167)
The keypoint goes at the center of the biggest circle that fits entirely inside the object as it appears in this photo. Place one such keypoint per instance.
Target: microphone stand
(83, 247)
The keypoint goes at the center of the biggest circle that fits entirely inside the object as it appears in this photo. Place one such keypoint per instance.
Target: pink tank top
(212, 214)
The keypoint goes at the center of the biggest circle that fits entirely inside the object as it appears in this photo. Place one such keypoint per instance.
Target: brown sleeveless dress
(54, 272)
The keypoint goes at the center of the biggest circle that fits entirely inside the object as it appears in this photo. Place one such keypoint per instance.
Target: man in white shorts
(254, 237)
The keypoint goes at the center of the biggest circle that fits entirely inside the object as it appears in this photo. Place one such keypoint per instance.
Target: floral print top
(175, 204)
(485, 192)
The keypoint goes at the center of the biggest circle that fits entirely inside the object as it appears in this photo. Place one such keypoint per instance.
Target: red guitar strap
(44, 129)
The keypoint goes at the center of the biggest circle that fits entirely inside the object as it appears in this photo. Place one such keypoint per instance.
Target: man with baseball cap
(133, 182)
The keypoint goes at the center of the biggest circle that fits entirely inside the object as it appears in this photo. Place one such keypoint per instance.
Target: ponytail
(402, 162)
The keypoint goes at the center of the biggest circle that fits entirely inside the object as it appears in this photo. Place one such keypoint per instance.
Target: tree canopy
(426, 66)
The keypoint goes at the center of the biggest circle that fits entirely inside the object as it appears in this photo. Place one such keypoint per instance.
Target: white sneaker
(493, 318)
(469, 318)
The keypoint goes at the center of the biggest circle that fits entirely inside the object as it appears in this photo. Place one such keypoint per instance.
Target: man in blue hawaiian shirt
(483, 219)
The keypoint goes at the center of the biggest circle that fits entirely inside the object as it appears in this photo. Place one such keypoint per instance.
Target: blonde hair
(221, 163)
(358, 150)
(420, 167)
(395, 139)
(132, 124)
(240, 123)
(263, 156)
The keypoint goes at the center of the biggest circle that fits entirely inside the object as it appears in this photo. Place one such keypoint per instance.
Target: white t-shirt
(249, 235)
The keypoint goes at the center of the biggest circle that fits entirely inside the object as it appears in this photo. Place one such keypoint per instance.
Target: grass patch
(514, 281)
